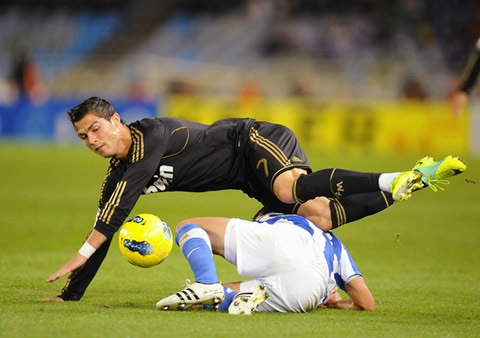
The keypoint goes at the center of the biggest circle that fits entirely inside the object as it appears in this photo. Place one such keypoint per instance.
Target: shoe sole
(414, 180)
(183, 305)
(248, 306)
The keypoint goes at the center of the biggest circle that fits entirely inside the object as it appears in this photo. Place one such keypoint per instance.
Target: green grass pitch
(421, 258)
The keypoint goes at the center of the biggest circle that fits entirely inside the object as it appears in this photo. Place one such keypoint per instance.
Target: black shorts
(271, 150)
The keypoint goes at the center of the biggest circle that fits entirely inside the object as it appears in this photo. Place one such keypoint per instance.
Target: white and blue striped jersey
(341, 267)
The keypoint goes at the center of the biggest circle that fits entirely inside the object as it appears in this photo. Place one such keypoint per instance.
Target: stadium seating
(54, 40)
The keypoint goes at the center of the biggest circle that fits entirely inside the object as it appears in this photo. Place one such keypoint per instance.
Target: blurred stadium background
(364, 84)
(367, 75)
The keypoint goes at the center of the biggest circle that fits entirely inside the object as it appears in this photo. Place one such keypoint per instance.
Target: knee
(283, 184)
(182, 228)
(369, 307)
(284, 194)
(182, 224)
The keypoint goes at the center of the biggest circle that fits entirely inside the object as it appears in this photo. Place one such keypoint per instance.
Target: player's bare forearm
(471, 71)
(50, 299)
(458, 102)
(345, 304)
(94, 240)
(360, 296)
(335, 301)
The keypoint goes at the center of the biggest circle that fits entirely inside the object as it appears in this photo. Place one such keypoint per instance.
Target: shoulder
(149, 130)
(147, 124)
(147, 134)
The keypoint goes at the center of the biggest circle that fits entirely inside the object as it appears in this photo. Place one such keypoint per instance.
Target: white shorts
(284, 258)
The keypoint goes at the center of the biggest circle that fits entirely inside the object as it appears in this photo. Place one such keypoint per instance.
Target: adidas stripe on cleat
(435, 173)
(193, 294)
(246, 302)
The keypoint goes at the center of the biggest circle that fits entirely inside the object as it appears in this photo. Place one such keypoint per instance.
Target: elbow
(368, 305)
(183, 223)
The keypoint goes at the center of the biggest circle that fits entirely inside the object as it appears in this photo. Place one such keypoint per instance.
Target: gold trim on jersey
(385, 198)
(330, 181)
(296, 207)
(184, 146)
(263, 161)
(269, 146)
(341, 214)
(294, 192)
(137, 144)
(113, 202)
(282, 170)
(336, 210)
(67, 284)
(113, 163)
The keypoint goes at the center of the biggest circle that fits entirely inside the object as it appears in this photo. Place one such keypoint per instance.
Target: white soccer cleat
(193, 294)
(246, 302)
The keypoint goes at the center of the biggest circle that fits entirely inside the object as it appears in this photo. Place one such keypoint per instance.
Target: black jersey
(169, 154)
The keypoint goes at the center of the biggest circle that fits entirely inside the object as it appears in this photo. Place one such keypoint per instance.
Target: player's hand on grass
(50, 299)
(332, 298)
(68, 269)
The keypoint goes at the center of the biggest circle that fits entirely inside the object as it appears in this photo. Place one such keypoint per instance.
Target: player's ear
(115, 119)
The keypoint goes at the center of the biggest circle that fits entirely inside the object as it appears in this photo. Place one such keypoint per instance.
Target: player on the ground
(467, 81)
(262, 159)
(294, 266)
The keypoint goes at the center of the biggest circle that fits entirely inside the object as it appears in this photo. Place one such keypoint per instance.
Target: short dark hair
(94, 105)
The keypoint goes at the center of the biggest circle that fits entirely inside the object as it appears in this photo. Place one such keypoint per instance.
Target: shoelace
(435, 184)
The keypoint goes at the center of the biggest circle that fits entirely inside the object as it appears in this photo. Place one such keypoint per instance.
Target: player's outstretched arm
(467, 81)
(93, 242)
(50, 299)
(75, 263)
(360, 297)
(458, 102)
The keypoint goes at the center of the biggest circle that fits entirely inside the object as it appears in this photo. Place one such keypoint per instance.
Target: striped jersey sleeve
(125, 179)
(345, 269)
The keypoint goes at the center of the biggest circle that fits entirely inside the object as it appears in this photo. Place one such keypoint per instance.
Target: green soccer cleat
(403, 185)
(435, 172)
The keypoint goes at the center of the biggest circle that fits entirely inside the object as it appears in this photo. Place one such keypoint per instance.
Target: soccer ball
(145, 240)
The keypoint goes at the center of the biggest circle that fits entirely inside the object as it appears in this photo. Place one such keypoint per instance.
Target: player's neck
(125, 143)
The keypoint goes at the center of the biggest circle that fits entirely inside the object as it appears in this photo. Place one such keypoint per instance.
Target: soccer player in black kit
(467, 81)
(262, 159)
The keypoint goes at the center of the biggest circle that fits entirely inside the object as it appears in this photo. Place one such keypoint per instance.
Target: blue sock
(195, 245)
(229, 294)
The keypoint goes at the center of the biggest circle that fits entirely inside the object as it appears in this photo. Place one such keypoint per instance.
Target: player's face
(101, 136)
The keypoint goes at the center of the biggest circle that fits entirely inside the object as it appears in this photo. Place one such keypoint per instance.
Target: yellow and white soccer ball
(145, 240)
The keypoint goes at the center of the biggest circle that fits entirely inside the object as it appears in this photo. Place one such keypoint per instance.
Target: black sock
(355, 207)
(334, 183)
